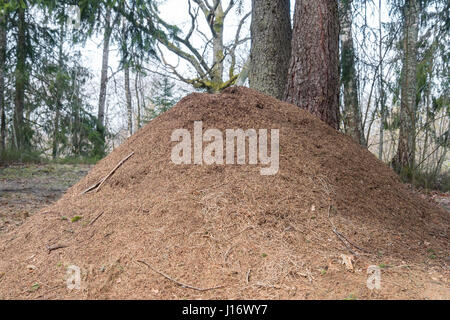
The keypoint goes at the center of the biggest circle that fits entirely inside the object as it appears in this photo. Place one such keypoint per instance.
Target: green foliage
(163, 98)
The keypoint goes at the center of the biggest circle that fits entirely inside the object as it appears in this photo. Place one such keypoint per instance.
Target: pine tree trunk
(313, 79)
(104, 76)
(271, 46)
(2, 81)
(352, 113)
(20, 74)
(404, 159)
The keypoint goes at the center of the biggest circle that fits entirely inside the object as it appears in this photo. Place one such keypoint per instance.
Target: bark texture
(313, 80)
(20, 82)
(404, 159)
(271, 46)
(2, 81)
(352, 113)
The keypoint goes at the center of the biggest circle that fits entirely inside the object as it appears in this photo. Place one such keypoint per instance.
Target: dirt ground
(25, 189)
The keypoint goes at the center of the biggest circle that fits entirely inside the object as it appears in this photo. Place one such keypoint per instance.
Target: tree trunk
(104, 76)
(128, 99)
(352, 113)
(313, 79)
(382, 95)
(218, 48)
(59, 93)
(271, 46)
(2, 81)
(404, 159)
(21, 78)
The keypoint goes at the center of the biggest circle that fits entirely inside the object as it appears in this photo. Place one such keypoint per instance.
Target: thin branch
(183, 285)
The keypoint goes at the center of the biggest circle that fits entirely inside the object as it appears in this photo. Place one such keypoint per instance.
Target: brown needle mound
(156, 230)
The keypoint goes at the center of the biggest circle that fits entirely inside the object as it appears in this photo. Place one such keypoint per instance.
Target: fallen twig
(113, 170)
(95, 185)
(95, 219)
(176, 281)
(55, 247)
(343, 239)
(248, 275)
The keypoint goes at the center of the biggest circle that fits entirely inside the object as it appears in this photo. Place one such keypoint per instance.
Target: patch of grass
(323, 272)
(351, 296)
(264, 255)
(76, 218)
(21, 156)
(77, 160)
(383, 266)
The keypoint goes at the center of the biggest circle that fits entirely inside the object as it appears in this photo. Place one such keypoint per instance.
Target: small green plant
(323, 272)
(264, 255)
(34, 287)
(59, 264)
(76, 218)
(63, 218)
(383, 266)
(432, 254)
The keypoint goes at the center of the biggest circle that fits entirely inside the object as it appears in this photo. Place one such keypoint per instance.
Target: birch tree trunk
(352, 113)
(271, 46)
(313, 79)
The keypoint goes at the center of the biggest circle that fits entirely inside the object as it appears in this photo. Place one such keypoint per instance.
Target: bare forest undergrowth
(155, 230)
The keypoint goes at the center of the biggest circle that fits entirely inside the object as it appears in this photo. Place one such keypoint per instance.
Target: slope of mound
(227, 229)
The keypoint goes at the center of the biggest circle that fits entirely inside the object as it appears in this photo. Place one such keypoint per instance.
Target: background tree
(404, 160)
(351, 111)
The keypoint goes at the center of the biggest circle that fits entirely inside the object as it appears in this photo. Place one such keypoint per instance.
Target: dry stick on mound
(113, 170)
(98, 184)
(55, 247)
(95, 219)
(341, 237)
(177, 282)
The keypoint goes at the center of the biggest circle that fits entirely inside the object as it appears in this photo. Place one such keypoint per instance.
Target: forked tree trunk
(271, 46)
(313, 79)
(218, 48)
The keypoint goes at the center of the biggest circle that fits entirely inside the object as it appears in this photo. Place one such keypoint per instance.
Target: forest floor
(26, 189)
